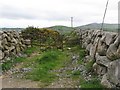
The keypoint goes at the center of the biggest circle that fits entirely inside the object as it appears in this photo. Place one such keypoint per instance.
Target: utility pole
(104, 15)
(119, 18)
(71, 21)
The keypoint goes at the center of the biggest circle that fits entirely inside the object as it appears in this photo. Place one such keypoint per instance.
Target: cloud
(53, 12)
(17, 13)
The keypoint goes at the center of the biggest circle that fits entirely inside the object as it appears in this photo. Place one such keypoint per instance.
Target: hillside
(62, 29)
(65, 29)
(107, 27)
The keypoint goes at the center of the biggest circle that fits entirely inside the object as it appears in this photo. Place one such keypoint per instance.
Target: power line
(104, 15)
(101, 30)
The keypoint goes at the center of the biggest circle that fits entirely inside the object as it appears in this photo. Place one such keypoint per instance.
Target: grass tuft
(14, 60)
(48, 61)
(93, 83)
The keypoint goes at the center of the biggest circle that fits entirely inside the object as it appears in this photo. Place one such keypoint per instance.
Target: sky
(45, 13)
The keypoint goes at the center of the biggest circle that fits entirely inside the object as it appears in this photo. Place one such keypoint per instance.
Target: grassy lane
(44, 64)
(55, 68)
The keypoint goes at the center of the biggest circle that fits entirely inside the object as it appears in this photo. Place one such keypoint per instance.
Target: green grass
(9, 64)
(97, 26)
(30, 50)
(76, 72)
(48, 61)
(81, 55)
(93, 83)
(62, 29)
(80, 51)
(14, 60)
(75, 75)
(89, 66)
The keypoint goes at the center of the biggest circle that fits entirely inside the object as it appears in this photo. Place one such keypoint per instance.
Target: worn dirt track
(16, 81)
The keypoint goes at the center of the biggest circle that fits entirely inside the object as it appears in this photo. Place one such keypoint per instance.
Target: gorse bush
(42, 36)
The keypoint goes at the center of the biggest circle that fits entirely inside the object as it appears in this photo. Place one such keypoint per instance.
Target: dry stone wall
(11, 44)
(104, 48)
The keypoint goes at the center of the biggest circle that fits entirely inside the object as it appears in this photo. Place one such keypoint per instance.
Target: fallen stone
(25, 69)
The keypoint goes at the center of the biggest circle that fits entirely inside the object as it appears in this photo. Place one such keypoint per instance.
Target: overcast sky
(44, 13)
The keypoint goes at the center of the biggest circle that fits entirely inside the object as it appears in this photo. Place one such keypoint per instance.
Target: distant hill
(65, 29)
(59, 28)
(107, 27)
(95, 26)
(62, 29)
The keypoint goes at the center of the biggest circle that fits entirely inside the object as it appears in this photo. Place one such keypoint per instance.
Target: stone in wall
(88, 47)
(102, 48)
(106, 83)
(27, 42)
(112, 53)
(117, 41)
(118, 50)
(113, 73)
(109, 38)
(102, 60)
(11, 43)
(1, 55)
(92, 51)
(98, 69)
(107, 56)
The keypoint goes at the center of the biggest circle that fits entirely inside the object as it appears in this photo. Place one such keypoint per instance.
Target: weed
(93, 83)
(81, 54)
(89, 66)
(75, 73)
(30, 50)
(9, 64)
